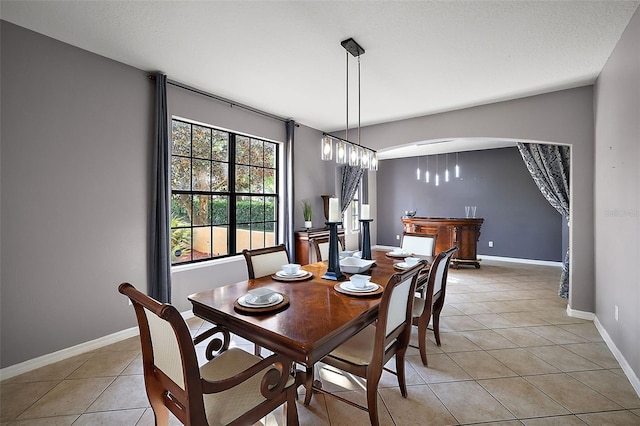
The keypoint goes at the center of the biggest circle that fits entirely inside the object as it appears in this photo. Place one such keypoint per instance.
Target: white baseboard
(44, 360)
(628, 371)
(519, 260)
(61, 355)
(590, 316)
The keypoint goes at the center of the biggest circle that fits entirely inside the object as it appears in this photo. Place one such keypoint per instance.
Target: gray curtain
(288, 188)
(351, 176)
(160, 235)
(549, 168)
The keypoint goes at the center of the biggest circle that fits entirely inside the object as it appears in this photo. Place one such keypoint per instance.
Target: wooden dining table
(316, 320)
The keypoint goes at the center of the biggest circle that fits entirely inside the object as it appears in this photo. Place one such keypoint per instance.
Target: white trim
(519, 260)
(628, 371)
(61, 355)
(44, 360)
(590, 316)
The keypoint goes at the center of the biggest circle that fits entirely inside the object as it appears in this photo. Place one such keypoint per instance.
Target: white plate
(247, 301)
(398, 253)
(298, 274)
(403, 265)
(348, 285)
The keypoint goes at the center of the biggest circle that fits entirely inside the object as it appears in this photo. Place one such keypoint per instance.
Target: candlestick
(366, 239)
(333, 271)
(334, 210)
(365, 212)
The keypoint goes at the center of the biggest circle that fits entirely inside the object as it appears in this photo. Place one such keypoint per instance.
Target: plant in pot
(306, 211)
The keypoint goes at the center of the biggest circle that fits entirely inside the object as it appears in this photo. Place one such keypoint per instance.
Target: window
(224, 192)
(355, 210)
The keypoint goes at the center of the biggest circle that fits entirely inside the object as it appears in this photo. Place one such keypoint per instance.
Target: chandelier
(348, 152)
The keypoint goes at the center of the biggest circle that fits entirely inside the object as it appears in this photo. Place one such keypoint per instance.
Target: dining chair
(421, 245)
(365, 354)
(430, 300)
(235, 387)
(321, 247)
(265, 261)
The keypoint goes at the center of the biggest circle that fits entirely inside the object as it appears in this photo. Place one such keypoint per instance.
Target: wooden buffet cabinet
(304, 253)
(463, 233)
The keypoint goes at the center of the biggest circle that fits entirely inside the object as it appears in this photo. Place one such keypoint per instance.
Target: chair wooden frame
(187, 401)
(386, 344)
(429, 303)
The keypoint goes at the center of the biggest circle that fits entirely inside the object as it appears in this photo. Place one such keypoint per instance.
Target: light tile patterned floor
(509, 355)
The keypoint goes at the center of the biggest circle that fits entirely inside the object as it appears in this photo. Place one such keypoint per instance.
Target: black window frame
(232, 193)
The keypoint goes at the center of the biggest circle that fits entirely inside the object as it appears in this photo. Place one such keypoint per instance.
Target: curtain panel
(351, 176)
(160, 235)
(290, 126)
(549, 167)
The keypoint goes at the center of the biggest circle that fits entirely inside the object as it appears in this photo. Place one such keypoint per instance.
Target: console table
(460, 232)
(304, 254)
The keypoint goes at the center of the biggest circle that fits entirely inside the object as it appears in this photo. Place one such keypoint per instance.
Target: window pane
(257, 237)
(257, 209)
(202, 243)
(220, 240)
(180, 245)
(269, 208)
(201, 175)
(220, 149)
(219, 176)
(242, 179)
(270, 234)
(242, 150)
(270, 155)
(269, 181)
(220, 209)
(180, 173)
(256, 180)
(242, 238)
(181, 138)
(201, 142)
(243, 206)
(180, 209)
(256, 152)
(201, 210)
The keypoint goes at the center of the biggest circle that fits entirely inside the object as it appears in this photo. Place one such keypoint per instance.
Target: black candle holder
(366, 239)
(333, 271)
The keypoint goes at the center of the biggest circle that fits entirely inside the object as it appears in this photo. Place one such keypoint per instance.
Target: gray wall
(76, 139)
(563, 117)
(617, 194)
(76, 134)
(517, 218)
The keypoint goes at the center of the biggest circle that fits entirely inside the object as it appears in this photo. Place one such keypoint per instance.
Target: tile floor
(510, 355)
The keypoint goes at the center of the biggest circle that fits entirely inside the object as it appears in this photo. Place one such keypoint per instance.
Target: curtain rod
(221, 99)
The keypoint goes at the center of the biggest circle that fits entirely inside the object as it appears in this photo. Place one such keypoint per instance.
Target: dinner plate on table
(348, 285)
(398, 254)
(250, 301)
(283, 274)
(402, 265)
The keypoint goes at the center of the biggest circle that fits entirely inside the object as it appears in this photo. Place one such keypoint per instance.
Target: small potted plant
(306, 211)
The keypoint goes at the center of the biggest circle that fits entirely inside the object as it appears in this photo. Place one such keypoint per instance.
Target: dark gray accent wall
(617, 195)
(517, 218)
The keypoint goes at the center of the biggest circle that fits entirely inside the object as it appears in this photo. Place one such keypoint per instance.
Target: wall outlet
(490, 243)
(397, 237)
(615, 312)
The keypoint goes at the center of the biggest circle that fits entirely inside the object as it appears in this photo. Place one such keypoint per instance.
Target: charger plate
(305, 277)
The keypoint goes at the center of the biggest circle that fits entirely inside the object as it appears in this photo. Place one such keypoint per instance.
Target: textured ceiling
(422, 57)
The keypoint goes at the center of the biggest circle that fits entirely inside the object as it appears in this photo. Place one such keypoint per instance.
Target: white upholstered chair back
(398, 305)
(269, 263)
(420, 245)
(166, 352)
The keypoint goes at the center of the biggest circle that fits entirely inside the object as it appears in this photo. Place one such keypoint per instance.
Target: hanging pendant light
(457, 167)
(446, 170)
(418, 170)
(426, 174)
(347, 152)
(437, 175)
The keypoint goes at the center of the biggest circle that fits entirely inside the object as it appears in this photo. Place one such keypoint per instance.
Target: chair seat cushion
(357, 350)
(224, 407)
(418, 306)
